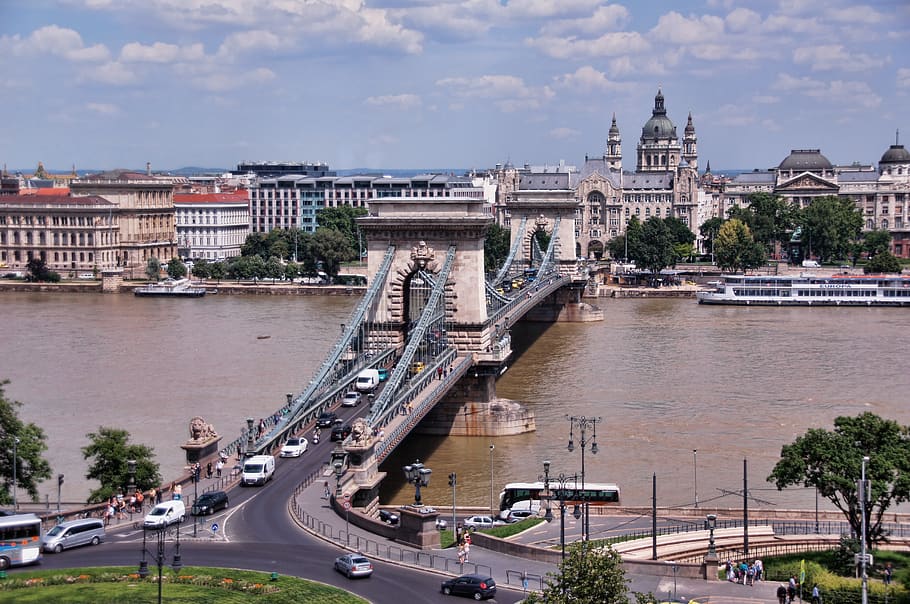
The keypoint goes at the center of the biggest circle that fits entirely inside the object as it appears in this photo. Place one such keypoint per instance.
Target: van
(165, 514)
(811, 264)
(367, 380)
(73, 534)
(258, 469)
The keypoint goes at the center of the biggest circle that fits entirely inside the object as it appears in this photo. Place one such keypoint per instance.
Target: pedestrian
(326, 491)
(177, 490)
(791, 589)
(467, 546)
(461, 553)
(208, 470)
(888, 572)
(219, 466)
(782, 594)
(153, 496)
(816, 595)
(439, 373)
(759, 569)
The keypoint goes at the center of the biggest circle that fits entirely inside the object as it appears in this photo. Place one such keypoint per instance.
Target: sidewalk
(324, 523)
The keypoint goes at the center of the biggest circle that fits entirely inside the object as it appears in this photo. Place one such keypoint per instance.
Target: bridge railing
(516, 245)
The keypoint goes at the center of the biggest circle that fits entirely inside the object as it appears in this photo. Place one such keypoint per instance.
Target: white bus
(594, 493)
(20, 540)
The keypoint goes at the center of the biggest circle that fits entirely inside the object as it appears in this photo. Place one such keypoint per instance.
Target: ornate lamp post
(16, 442)
(339, 472)
(711, 524)
(584, 423)
(492, 511)
(159, 554)
(250, 441)
(863, 493)
(419, 476)
(695, 470)
(560, 481)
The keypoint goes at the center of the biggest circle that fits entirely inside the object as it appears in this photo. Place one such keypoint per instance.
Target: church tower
(658, 148)
(613, 155)
(689, 147)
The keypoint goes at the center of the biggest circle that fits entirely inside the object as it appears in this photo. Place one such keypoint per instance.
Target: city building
(274, 169)
(664, 183)
(212, 226)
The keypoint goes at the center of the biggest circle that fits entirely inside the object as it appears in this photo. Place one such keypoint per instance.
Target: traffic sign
(347, 505)
(347, 496)
(214, 527)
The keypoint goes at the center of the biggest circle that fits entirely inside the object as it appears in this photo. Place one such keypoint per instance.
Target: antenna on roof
(897, 133)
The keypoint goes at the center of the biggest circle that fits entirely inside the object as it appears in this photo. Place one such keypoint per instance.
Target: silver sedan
(353, 565)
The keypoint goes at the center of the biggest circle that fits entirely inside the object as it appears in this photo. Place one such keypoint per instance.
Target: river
(666, 376)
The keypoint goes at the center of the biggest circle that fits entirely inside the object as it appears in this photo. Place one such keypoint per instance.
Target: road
(257, 532)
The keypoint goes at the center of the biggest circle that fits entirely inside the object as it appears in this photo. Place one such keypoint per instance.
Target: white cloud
(103, 108)
(607, 45)
(244, 42)
(794, 25)
(903, 78)
(224, 81)
(849, 93)
(586, 79)
(742, 20)
(549, 9)
(402, 101)
(57, 41)
(604, 18)
(732, 115)
(765, 99)
(835, 56)
(563, 133)
(854, 14)
(674, 28)
(112, 72)
(508, 93)
(159, 52)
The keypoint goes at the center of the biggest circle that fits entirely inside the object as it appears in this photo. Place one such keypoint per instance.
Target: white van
(165, 514)
(367, 380)
(72, 534)
(811, 264)
(257, 469)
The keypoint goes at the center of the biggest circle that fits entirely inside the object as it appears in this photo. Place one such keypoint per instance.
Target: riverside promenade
(314, 514)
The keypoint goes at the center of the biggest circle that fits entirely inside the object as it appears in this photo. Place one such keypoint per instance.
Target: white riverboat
(808, 290)
(177, 288)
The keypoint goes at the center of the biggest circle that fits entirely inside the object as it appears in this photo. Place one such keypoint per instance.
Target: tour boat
(808, 290)
(178, 288)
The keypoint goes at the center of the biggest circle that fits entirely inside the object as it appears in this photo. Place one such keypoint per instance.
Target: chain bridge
(437, 325)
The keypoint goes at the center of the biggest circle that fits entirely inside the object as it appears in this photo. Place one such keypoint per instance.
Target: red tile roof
(236, 197)
(46, 191)
(38, 199)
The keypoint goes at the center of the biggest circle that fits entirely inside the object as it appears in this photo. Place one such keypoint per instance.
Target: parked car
(479, 522)
(441, 524)
(294, 447)
(326, 420)
(209, 503)
(479, 587)
(513, 516)
(354, 565)
(388, 516)
(340, 433)
(351, 399)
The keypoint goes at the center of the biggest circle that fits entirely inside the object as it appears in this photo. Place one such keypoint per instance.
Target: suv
(209, 503)
(326, 420)
(479, 587)
(340, 433)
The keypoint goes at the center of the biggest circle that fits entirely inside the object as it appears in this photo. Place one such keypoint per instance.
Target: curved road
(258, 533)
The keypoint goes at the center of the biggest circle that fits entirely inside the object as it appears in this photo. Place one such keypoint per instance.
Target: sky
(401, 84)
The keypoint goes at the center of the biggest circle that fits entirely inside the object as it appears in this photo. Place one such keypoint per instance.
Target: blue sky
(437, 83)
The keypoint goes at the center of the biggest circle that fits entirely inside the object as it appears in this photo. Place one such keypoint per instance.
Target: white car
(351, 399)
(480, 522)
(294, 447)
(165, 514)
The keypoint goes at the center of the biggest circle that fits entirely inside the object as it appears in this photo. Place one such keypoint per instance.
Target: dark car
(340, 433)
(326, 420)
(479, 587)
(388, 516)
(209, 503)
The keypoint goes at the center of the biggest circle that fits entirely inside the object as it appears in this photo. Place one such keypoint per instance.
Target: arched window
(884, 223)
(870, 224)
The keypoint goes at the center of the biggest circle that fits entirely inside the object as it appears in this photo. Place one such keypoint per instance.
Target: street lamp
(59, 485)
(492, 512)
(131, 485)
(695, 468)
(711, 524)
(583, 424)
(863, 493)
(160, 537)
(418, 476)
(16, 442)
(339, 471)
(561, 481)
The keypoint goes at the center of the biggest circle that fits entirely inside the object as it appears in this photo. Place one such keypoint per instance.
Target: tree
(109, 450)
(773, 218)
(31, 467)
(202, 269)
(655, 252)
(883, 262)
(38, 271)
(831, 462)
(153, 268)
(256, 244)
(176, 269)
(683, 238)
(829, 225)
(876, 242)
(496, 247)
(273, 268)
(332, 248)
(342, 219)
(627, 245)
(586, 575)
(709, 229)
(735, 249)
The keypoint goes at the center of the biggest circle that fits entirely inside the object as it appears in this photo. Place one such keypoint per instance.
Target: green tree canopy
(883, 262)
(735, 249)
(709, 230)
(38, 271)
(108, 452)
(772, 218)
(876, 242)
(496, 247)
(31, 467)
(343, 220)
(829, 226)
(331, 247)
(176, 269)
(202, 269)
(831, 462)
(618, 245)
(585, 575)
(152, 268)
(656, 249)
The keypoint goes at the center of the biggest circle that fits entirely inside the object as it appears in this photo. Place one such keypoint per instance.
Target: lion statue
(200, 430)
(360, 432)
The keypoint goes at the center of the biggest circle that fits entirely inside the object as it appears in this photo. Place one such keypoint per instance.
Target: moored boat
(808, 290)
(179, 288)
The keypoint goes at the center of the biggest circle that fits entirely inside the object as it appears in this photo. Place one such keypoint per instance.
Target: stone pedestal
(710, 567)
(199, 450)
(417, 527)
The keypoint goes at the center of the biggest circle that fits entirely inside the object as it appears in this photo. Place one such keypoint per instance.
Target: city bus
(20, 540)
(594, 493)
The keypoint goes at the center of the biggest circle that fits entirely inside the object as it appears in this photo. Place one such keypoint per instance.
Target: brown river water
(665, 376)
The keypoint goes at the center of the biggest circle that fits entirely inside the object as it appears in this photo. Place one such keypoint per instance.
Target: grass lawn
(194, 585)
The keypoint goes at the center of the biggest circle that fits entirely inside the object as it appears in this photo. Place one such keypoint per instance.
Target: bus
(594, 493)
(20, 540)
